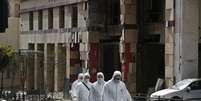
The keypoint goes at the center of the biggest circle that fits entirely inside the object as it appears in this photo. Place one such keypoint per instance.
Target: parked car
(1, 99)
(188, 89)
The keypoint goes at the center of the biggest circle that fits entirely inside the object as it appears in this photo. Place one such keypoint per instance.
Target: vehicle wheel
(176, 98)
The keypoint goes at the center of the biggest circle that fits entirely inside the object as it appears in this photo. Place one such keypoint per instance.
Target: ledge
(52, 4)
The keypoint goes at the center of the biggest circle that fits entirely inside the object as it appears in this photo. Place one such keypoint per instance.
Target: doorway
(110, 59)
(150, 48)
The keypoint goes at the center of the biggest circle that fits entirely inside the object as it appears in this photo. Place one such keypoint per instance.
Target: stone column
(35, 66)
(35, 22)
(84, 50)
(186, 39)
(45, 66)
(61, 67)
(30, 69)
(128, 42)
(169, 43)
(56, 18)
(50, 66)
(68, 61)
(56, 67)
(40, 67)
(67, 75)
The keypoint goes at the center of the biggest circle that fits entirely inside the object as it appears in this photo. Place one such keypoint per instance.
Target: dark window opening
(31, 21)
(150, 19)
(110, 58)
(40, 20)
(152, 38)
(156, 10)
(151, 16)
(85, 6)
(74, 16)
(61, 17)
(50, 18)
(114, 12)
(31, 46)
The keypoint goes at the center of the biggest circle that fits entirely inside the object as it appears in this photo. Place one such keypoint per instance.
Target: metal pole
(39, 94)
(23, 95)
(23, 76)
(1, 84)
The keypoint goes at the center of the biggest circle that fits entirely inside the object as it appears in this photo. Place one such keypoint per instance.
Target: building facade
(68, 37)
(146, 40)
(11, 38)
(182, 40)
(165, 40)
(53, 29)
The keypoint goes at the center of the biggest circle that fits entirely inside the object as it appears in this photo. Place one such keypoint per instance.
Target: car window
(195, 85)
(182, 84)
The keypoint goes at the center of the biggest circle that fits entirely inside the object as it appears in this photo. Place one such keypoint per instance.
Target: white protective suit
(115, 90)
(83, 88)
(97, 88)
(74, 86)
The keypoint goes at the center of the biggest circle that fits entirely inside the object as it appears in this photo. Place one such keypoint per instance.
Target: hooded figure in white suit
(83, 88)
(74, 86)
(115, 89)
(97, 88)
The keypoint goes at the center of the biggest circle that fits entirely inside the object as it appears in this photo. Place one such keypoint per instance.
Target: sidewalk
(66, 100)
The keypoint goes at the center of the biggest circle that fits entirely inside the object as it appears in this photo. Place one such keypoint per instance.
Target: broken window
(50, 18)
(40, 19)
(74, 16)
(31, 21)
(61, 17)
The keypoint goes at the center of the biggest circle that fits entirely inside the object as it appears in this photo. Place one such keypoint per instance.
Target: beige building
(145, 39)
(11, 38)
(71, 36)
(182, 53)
(50, 28)
(165, 42)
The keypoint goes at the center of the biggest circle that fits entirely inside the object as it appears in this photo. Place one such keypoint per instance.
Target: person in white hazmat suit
(96, 90)
(83, 88)
(74, 86)
(115, 89)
